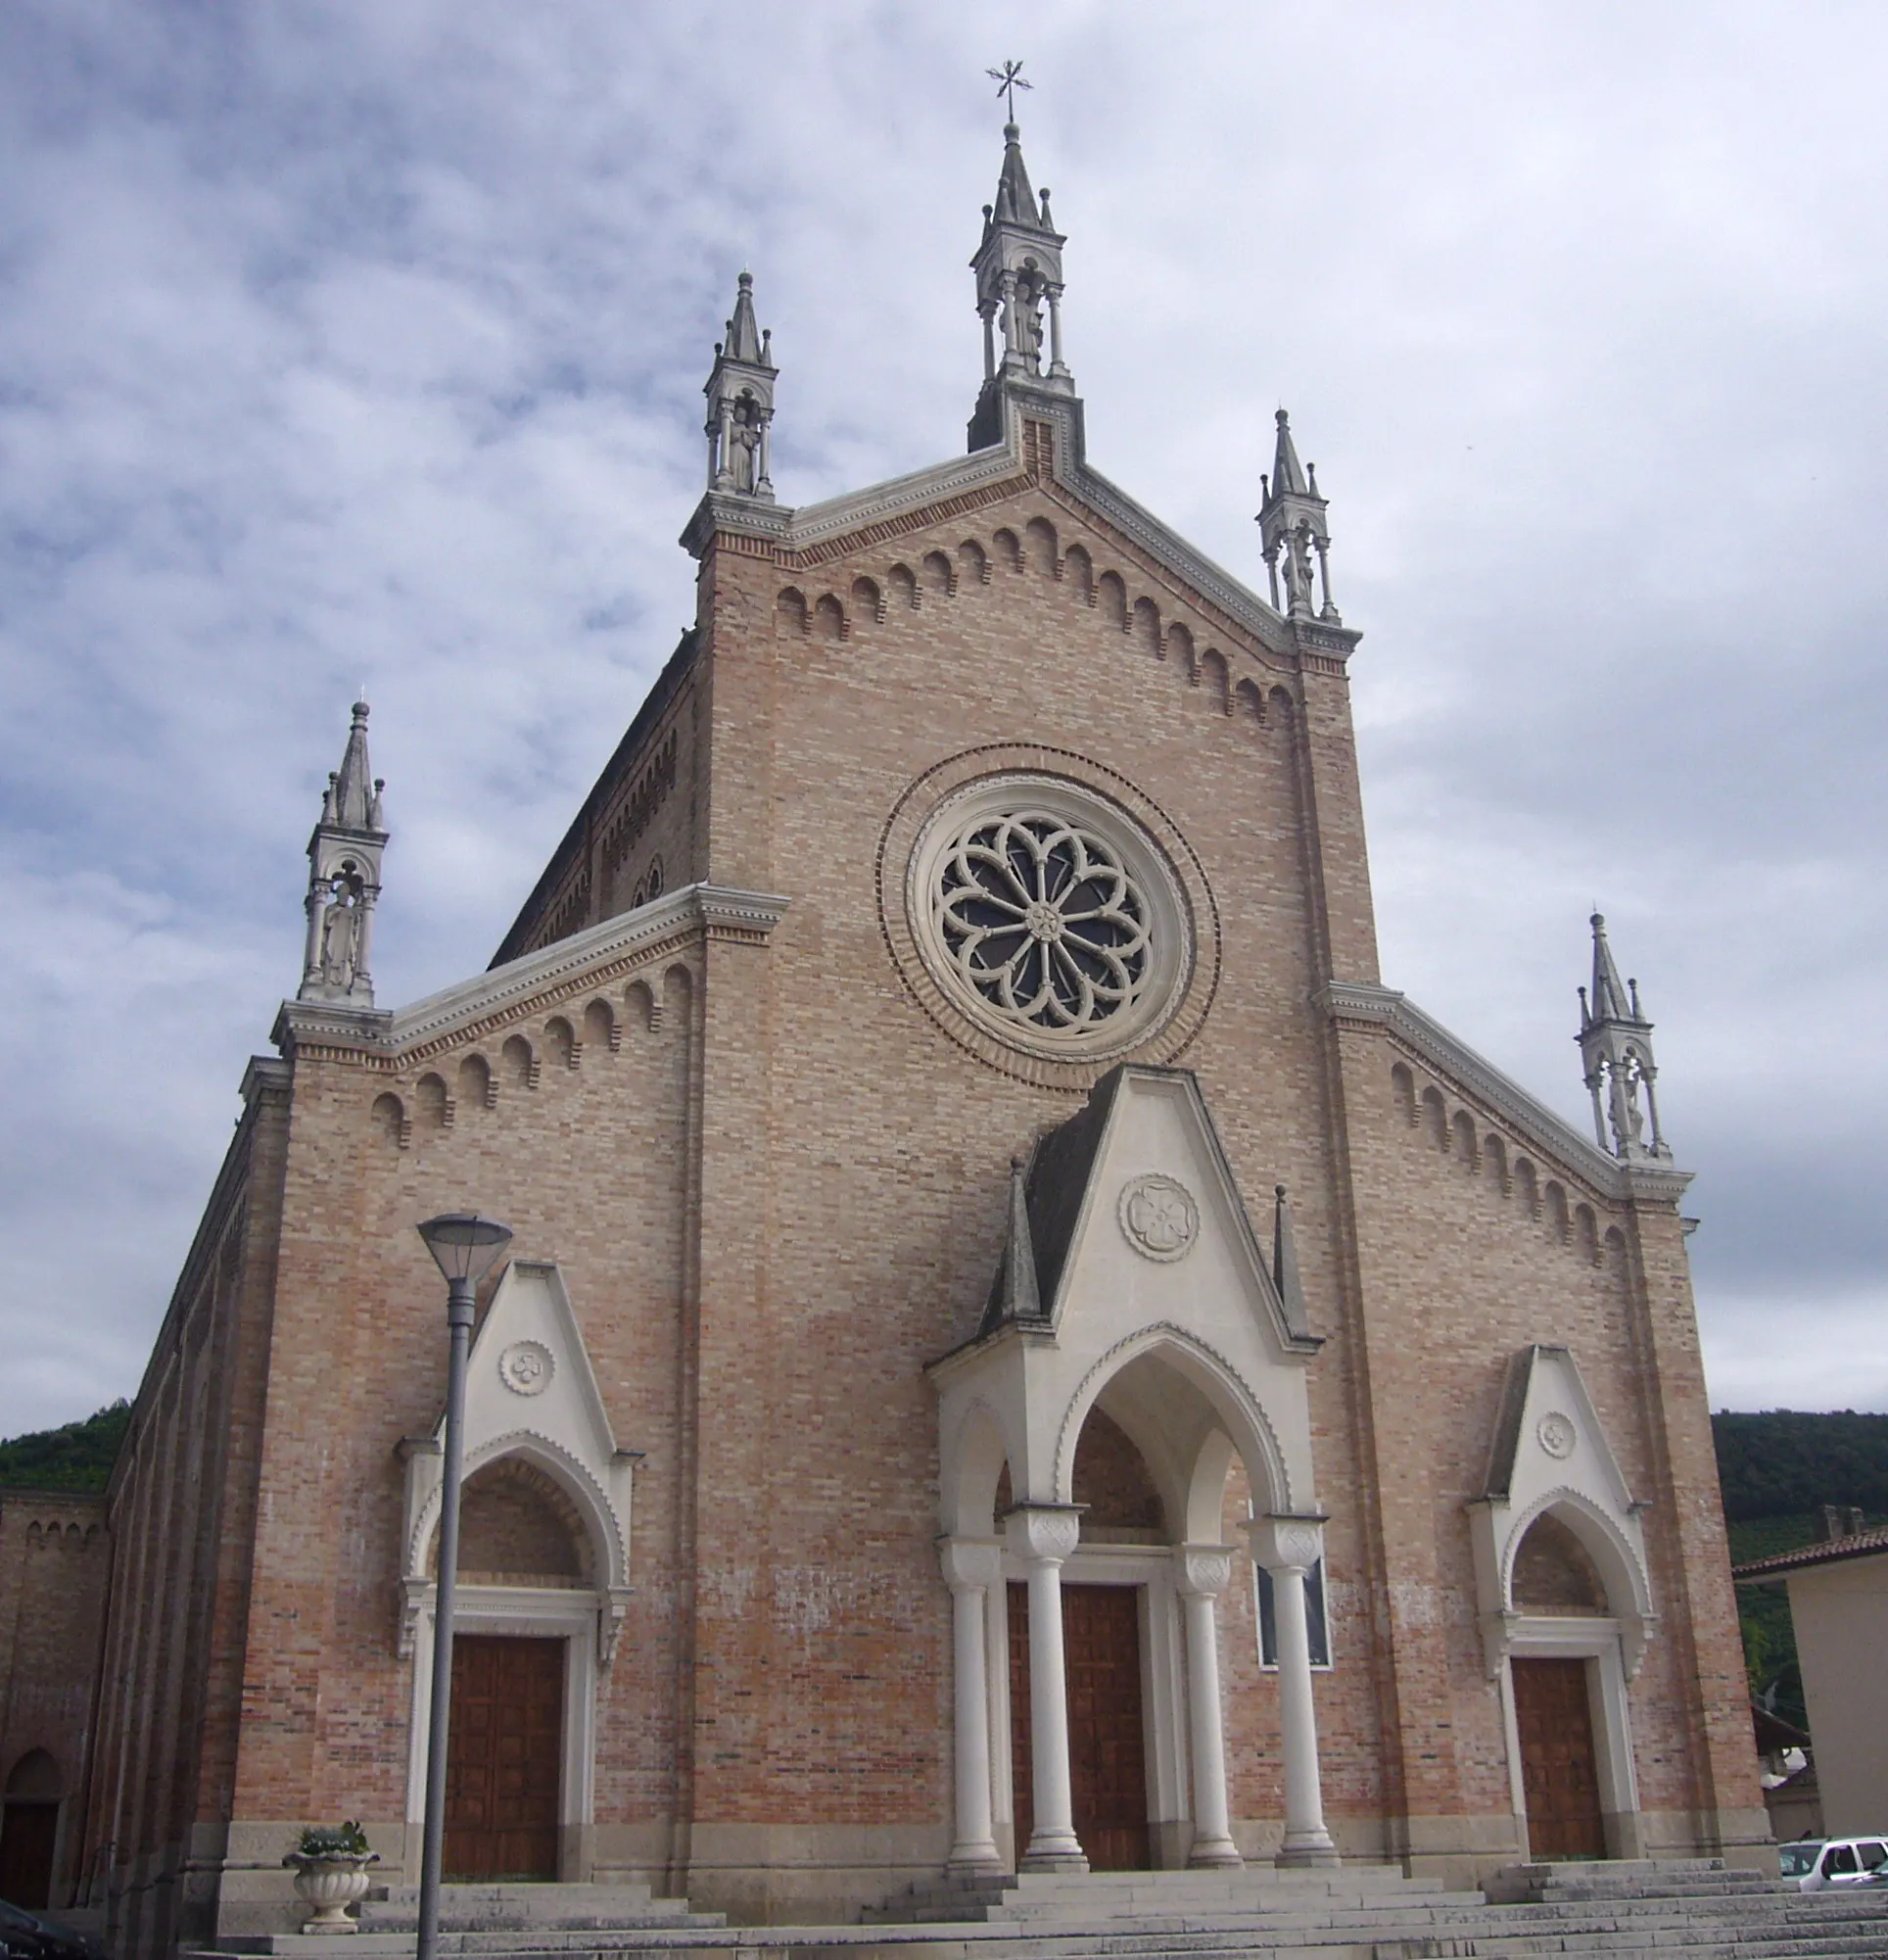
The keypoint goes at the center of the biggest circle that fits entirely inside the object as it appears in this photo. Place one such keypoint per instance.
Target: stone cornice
(693, 913)
(1383, 1008)
(264, 1072)
(1168, 549)
(791, 532)
(743, 516)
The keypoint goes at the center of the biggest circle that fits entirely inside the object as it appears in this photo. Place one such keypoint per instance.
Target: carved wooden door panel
(505, 1757)
(1553, 1717)
(1106, 1745)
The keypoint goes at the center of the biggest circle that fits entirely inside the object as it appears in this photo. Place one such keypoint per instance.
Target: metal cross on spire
(1008, 78)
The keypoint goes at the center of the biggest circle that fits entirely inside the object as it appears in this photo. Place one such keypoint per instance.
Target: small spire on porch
(1016, 1294)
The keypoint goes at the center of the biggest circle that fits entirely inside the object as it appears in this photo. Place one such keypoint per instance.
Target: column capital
(971, 1564)
(1045, 1534)
(1286, 1540)
(1205, 1571)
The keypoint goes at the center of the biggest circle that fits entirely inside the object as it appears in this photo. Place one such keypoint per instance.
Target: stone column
(1205, 1572)
(1287, 1547)
(361, 985)
(1057, 367)
(1043, 1536)
(1012, 340)
(312, 958)
(971, 1566)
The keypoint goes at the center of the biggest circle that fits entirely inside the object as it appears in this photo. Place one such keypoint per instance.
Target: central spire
(1019, 276)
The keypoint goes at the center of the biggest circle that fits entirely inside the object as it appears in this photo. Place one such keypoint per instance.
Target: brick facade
(774, 1182)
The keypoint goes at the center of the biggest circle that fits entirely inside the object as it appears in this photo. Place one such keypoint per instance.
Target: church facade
(1017, 1351)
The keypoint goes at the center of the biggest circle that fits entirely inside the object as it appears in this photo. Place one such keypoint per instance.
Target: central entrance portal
(503, 1757)
(1559, 1770)
(1106, 1745)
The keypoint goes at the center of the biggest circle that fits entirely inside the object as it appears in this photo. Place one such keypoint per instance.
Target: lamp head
(464, 1245)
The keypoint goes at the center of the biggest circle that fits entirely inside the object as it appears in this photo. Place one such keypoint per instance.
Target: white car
(1811, 1864)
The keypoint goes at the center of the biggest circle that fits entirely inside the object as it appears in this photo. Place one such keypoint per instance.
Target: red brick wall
(54, 1557)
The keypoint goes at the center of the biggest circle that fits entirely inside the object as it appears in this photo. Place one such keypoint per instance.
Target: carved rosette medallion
(525, 1368)
(1557, 1435)
(1158, 1216)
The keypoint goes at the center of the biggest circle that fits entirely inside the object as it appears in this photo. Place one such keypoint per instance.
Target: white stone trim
(1585, 1490)
(1598, 1642)
(1459, 1064)
(522, 1612)
(815, 524)
(691, 908)
(564, 1431)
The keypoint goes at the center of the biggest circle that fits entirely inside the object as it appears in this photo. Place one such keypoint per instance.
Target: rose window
(1042, 918)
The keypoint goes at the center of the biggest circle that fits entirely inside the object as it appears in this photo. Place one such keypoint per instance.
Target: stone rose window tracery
(1042, 918)
(1047, 916)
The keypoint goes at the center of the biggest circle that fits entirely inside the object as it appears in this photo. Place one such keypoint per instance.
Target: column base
(1054, 1857)
(974, 1861)
(1307, 1848)
(1217, 1854)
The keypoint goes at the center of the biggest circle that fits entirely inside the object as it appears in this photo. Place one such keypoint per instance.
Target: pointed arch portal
(543, 1585)
(1137, 1311)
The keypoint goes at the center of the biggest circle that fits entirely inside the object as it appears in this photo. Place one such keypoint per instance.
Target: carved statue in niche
(744, 443)
(340, 943)
(1628, 1119)
(1298, 564)
(1028, 305)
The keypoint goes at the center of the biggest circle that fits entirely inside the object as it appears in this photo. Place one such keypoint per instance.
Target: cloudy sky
(361, 342)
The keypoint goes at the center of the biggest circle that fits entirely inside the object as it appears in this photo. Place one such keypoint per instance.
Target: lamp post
(464, 1246)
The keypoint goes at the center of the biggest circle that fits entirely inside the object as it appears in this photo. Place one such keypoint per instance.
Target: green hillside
(1785, 1464)
(1777, 1469)
(78, 1458)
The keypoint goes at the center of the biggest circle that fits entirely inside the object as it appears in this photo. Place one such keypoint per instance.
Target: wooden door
(28, 1831)
(505, 1757)
(1106, 1741)
(1553, 1717)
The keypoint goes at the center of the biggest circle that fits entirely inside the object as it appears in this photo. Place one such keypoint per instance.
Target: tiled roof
(1858, 1545)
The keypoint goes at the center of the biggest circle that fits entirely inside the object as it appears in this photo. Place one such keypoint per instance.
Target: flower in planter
(333, 1843)
(330, 1865)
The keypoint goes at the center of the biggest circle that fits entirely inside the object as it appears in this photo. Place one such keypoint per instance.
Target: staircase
(1695, 1909)
(1700, 1906)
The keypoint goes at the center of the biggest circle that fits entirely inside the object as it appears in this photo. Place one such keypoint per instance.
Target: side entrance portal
(1107, 1738)
(1553, 1718)
(503, 1757)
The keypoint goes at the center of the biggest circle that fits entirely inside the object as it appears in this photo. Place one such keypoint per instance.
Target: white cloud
(364, 343)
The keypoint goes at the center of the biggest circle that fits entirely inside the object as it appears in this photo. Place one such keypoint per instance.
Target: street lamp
(465, 1247)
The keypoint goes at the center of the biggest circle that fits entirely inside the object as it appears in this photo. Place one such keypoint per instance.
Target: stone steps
(1690, 1910)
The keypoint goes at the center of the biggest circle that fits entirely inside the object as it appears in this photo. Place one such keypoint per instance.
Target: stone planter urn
(329, 1880)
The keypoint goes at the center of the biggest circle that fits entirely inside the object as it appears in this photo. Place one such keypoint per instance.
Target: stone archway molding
(530, 1393)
